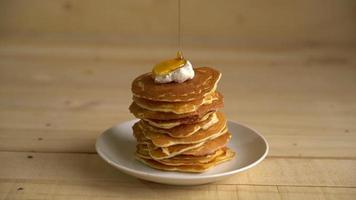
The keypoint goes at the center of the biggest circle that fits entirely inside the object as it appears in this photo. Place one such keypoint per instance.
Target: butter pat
(178, 75)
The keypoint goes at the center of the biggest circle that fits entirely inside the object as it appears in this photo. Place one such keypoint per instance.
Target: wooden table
(55, 101)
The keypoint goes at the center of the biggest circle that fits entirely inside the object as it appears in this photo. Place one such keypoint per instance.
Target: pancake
(161, 140)
(210, 146)
(142, 151)
(168, 124)
(184, 130)
(204, 82)
(192, 160)
(198, 149)
(171, 151)
(228, 155)
(143, 113)
(165, 152)
(175, 107)
(140, 138)
(164, 140)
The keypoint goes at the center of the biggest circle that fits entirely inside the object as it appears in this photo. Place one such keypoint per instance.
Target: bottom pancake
(227, 155)
(199, 149)
(143, 152)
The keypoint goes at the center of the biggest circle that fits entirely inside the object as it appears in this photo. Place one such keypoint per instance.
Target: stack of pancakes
(180, 127)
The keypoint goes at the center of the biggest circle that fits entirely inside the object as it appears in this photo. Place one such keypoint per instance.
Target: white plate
(117, 146)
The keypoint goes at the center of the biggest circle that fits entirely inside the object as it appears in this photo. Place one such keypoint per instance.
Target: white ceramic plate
(117, 146)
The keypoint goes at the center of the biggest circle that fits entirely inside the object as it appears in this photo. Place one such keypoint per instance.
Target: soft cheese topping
(175, 70)
(179, 75)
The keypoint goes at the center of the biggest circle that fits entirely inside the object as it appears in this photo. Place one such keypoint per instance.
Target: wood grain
(39, 189)
(204, 23)
(271, 172)
(73, 176)
(302, 100)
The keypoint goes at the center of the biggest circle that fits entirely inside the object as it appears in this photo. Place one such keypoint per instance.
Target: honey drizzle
(179, 27)
(167, 66)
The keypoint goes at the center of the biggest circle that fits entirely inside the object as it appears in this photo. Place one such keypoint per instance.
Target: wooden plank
(307, 193)
(57, 104)
(72, 132)
(229, 23)
(256, 192)
(89, 189)
(272, 171)
(114, 190)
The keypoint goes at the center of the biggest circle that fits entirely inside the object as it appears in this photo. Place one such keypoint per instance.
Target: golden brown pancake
(210, 146)
(164, 140)
(207, 148)
(168, 124)
(203, 83)
(143, 113)
(184, 130)
(228, 155)
(198, 149)
(165, 152)
(175, 107)
(143, 152)
(171, 151)
(191, 160)
(141, 139)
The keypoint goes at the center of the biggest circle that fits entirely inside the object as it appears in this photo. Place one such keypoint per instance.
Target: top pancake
(203, 83)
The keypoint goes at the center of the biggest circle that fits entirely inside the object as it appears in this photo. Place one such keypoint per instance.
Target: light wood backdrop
(204, 23)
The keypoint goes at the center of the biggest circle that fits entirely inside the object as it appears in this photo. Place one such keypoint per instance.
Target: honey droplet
(167, 66)
(180, 55)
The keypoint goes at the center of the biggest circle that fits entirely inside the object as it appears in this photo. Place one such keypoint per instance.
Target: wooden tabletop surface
(56, 100)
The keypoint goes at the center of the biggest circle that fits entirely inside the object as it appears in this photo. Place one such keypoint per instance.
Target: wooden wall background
(231, 23)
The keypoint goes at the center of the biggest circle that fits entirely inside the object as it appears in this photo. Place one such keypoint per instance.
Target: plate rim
(201, 176)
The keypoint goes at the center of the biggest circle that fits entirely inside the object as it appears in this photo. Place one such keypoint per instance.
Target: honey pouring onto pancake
(174, 70)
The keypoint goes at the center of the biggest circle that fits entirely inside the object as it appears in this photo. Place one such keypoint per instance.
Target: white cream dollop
(179, 75)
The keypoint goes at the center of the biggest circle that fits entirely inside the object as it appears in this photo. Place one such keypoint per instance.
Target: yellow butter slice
(168, 66)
